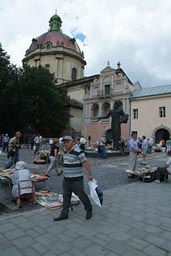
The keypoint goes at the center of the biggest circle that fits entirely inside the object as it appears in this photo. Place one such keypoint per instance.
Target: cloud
(136, 33)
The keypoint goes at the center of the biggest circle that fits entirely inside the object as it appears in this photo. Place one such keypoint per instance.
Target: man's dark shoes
(59, 218)
(88, 215)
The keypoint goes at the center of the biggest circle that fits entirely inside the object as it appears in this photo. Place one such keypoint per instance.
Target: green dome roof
(55, 23)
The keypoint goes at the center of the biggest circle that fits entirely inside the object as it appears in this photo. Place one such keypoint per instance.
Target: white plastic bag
(93, 185)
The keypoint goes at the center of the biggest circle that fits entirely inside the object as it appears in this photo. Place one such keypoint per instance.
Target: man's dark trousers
(75, 185)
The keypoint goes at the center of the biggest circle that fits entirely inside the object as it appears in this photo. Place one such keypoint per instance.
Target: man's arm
(87, 167)
(166, 165)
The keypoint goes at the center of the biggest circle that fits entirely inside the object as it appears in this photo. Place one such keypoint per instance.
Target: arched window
(95, 110)
(47, 66)
(74, 74)
(48, 46)
(105, 108)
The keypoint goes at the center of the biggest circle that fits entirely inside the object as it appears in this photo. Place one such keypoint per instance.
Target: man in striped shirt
(73, 160)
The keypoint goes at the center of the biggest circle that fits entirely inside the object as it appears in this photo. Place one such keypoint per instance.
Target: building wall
(76, 120)
(98, 130)
(61, 65)
(76, 93)
(148, 115)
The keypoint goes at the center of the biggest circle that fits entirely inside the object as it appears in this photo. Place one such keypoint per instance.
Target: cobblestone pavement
(135, 219)
(109, 173)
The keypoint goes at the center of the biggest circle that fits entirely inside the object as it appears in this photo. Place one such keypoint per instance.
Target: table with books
(6, 176)
(145, 174)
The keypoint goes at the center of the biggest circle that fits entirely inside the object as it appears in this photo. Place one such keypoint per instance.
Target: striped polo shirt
(72, 164)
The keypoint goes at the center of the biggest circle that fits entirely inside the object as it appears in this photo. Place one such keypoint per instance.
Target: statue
(118, 117)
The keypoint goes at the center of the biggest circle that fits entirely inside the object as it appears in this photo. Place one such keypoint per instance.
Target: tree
(44, 103)
(8, 93)
(30, 101)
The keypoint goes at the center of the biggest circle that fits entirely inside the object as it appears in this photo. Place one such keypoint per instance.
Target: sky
(136, 33)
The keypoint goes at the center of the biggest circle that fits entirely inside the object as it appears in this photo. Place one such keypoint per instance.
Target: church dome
(57, 52)
(54, 38)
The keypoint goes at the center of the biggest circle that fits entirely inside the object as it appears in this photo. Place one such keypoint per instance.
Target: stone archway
(160, 133)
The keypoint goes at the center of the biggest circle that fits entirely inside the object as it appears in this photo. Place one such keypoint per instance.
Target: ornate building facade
(111, 85)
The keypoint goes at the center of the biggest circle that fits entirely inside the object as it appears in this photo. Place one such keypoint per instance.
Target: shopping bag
(95, 192)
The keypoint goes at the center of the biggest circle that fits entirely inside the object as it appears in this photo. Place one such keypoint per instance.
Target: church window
(162, 112)
(72, 40)
(74, 74)
(48, 46)
(107, 89)
(95, 110)
(105, 108)
(87, 89)
(135, 113)
(107, 85)
(47, 66)
(118, 82)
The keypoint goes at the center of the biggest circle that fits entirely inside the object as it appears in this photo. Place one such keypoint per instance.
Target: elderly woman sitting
(22, 187)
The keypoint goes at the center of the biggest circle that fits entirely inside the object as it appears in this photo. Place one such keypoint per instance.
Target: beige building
(150, 112)
(77, 90)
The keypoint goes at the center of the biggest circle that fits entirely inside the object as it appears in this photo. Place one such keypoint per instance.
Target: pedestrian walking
(53, 157)
(73, 159)
(37, 143)
(5, 142)
(13, 153)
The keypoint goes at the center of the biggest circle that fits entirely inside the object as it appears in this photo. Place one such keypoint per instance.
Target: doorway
(161, 134)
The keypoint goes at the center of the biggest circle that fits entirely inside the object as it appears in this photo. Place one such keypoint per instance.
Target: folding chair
(26, 193)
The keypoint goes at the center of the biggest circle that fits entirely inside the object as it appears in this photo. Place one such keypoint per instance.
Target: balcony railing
(105, 94)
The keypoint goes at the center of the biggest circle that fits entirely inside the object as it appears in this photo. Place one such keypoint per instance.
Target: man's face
(68, 144)
(134, 136)
(18, 135)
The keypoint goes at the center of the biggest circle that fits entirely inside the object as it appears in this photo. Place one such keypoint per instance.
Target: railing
(105, 94)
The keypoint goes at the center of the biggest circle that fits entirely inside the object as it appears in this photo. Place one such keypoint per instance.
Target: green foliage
(44, 103)
(30, 101)
(8, 91)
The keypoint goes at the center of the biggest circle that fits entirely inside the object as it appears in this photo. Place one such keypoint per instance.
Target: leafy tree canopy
(30, 101)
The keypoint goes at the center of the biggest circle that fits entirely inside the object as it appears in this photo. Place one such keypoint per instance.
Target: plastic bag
(95, 192)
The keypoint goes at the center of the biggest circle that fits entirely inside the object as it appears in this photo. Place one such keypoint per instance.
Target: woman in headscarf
(22, 186)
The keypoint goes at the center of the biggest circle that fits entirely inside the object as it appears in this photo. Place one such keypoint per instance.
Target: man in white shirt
(37, 142)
